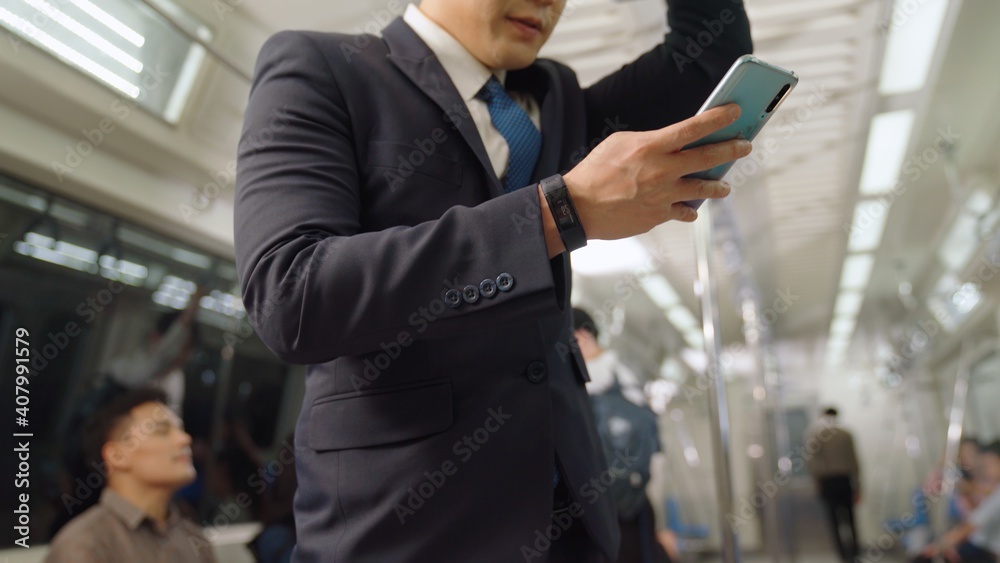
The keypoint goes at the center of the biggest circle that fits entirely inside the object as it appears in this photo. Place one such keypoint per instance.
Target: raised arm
(670, 82)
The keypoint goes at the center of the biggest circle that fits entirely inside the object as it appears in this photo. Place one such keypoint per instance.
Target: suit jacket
(832, 453)
(375, 243)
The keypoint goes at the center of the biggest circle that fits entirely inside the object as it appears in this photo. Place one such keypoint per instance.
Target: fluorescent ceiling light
(87, 34)
(66, 53)
(959, 244)
(178, 98)
(187, 286)
(52, 256)
(660, 291)
(111, 22)
(695, 338)
(909, 50)
(965, 299)
(78, 252)
(842, 326)
(868, 225)
(681, 318)
(887, 141)
(939, 308)
(169, 300)
(947, 284)
(603, 257)
(191, 258)
(848, 304)
(36, 239)
(979, 202)
(124, 267)
(691, 456)
(857, 271)
(695, 358)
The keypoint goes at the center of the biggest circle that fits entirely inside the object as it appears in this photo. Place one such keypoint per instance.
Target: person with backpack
(626, 426)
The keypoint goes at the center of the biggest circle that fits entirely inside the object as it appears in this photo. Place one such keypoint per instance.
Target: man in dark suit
(394, 232)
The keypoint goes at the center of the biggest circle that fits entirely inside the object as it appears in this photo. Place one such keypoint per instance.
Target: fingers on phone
(710, 156)
(690, 130)
(693, 188)
(683, 213)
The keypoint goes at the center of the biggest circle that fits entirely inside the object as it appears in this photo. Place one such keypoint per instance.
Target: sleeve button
(453, 298)
(470, 293)
(488, 288)
(505, 282)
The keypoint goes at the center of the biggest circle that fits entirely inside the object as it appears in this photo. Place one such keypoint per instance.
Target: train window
(981, 420)
(90, 289)
(123, 44)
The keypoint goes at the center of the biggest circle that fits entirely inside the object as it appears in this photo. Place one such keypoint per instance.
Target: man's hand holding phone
(634, 181)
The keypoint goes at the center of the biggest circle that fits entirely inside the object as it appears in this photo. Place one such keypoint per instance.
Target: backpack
(630, 438)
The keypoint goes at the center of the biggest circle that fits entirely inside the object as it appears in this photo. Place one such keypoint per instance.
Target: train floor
(808, 541)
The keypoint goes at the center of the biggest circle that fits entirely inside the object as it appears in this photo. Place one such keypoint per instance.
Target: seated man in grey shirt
(976, 540)
(146, 456)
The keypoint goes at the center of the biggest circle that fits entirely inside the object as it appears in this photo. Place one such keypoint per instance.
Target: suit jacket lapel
(416, 60)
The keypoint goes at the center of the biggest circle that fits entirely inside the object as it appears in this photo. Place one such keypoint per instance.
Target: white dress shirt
(469, 76)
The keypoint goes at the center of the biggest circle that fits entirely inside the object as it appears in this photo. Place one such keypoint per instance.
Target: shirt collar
(131, 515)
(466, 72)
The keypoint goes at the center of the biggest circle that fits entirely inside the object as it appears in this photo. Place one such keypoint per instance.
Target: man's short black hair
(830, 411)
(993, 448)
(583, 320)
(971, 440)
(99, 428)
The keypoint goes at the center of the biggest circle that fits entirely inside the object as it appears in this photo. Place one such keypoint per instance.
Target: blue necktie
(523, 138)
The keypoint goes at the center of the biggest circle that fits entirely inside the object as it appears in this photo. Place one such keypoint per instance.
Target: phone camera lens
(781, 94)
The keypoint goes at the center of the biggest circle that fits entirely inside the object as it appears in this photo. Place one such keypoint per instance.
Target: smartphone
(758, 88)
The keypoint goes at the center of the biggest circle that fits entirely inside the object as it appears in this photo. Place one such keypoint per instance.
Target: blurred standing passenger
(146, 456)
(615, 389)
(835, 469)
(976, 540)
(160, 363)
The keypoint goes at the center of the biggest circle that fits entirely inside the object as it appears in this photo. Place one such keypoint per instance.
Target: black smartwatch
(561, 206)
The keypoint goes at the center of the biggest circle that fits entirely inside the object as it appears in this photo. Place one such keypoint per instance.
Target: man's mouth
(527, 25)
